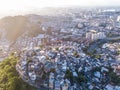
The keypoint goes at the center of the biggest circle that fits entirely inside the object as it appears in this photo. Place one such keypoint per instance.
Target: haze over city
(8, 7)
(59, 44)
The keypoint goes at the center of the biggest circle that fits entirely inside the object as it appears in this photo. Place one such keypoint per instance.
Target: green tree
(9, 77)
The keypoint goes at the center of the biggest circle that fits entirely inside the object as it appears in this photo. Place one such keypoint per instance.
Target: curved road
(97, 44)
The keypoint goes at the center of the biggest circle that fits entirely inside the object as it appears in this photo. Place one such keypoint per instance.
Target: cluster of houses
(62, 65)
(49, 66)
(114, 48)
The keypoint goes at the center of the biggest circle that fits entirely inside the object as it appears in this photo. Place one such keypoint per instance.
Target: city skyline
(59, 45)
(16, 6)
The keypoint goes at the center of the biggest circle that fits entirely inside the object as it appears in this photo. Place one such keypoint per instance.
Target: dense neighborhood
(77, 49)
(58, 60)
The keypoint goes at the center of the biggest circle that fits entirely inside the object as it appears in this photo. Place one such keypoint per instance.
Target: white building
(94, 35)
(65, 86)
(117, 24)
(57, 85)
(118, 19)
(51, 80)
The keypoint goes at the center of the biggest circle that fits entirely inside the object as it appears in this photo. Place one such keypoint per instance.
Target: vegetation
(114, 77)
(118, 52)
(69, 76)
(52, 70)
(79, 79)
(9, 77)
(76, 54)
(19, 25)
(96, 69)
(57, 49)
(41, 46)
(13, 28)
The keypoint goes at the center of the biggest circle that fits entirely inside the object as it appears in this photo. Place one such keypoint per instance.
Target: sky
(16, 6)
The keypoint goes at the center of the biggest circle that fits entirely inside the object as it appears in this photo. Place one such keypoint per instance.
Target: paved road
(114, 38)
(99, 43)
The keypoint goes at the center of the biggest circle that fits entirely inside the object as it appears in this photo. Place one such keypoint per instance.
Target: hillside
(14, 27)
(9, 78)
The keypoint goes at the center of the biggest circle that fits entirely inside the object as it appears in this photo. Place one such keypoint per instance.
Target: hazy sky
(11, 6)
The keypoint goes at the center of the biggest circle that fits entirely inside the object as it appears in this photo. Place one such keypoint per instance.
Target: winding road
(97, 44)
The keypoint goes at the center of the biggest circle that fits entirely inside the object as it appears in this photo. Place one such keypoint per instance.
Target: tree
(69, 76)
(9, 77)
(75, 54)
(81, 78)
(114, 77)
(52, 70)
(41, 46)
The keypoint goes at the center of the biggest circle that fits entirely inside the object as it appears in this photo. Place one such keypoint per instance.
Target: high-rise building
(94, 35)
(51, 81)
(117, 24)
(118, 19)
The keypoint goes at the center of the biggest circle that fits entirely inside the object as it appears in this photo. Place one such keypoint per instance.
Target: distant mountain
(14, 27)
